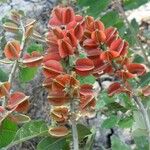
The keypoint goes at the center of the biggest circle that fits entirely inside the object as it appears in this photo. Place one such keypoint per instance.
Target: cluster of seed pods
(105, 53)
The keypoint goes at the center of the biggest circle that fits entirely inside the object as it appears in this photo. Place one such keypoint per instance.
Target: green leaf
(35, 47)
(141, 143)
(28, 131)
(126, 122)
(117, 144)
(110, 122)
(52, 143)
(83, 131)
(135, 25)
(138, 59)
(103, 100)
(107, 18)
(132, 4)
(94, 7)
(145, 79)
(86, 80)
(8, 130)
(27, 74)
(3, 76)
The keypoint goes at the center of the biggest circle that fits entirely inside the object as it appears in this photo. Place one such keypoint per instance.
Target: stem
(73, 114)
(144, 115)
(15, 65)
(74, 127)
(139, 43)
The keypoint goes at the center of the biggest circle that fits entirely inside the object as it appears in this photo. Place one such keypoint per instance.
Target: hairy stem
(138, 42)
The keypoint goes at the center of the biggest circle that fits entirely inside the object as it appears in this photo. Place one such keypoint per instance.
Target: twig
(14, 67)
(139, 43)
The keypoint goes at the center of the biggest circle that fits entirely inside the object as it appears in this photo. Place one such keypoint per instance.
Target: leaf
(52, 143)
(117, 144)
(110, 122)
(28, 131)
(83, 131)
(107, 18)
(138, 59)
(87, 79)
(35, 47)
(126, 122)
(145, 79)
(141, 143)
(3, 76)
(103, 100)
(8, 130)
(94, 7)
(132, 4)
(27, 74)
(135, 25)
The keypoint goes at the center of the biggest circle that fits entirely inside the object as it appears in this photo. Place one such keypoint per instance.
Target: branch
(15, 65)
(139, 43)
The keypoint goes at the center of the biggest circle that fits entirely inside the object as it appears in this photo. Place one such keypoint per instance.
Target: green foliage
(27, 74)
(83, 131)
(86, 80)
(138, 59)
(132, 4)
(53, 143)
(145, 79)
(3, 76)
(117, 144)
(126, 122)
(110, 122)
(35, 47)
(28, 131)
(8, 130)
(94, 7)
(141, 143)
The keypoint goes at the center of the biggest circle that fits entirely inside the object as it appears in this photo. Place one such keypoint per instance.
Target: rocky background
(40, 11)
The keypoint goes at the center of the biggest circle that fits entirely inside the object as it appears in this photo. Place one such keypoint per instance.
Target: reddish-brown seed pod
(90, 44)
(87, 102)
(98, 36)
(137, 69)
(23, 107)
(84, 66)
(60, 114)
(111, 35)
(72, 38)
(58, 32)
(86, 89)
(68, 15)
(51, 56)
(59, 131)
(57, 98)
(15, 99)
(12, 50)
(11, 27)
(52, 68)
(32, 60)
(78, 31)
(114, 88)
(4, 89)
(65, 49)
(108, 55)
